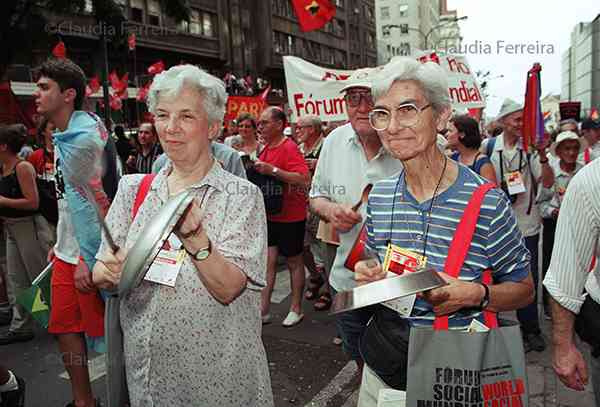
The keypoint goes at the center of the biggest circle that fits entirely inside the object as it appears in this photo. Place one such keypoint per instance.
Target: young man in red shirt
(282, 159)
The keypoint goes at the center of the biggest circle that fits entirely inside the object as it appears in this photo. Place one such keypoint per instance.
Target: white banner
(313, 89)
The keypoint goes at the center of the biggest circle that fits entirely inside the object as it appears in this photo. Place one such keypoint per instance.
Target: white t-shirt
(66, 247)
(529, 224)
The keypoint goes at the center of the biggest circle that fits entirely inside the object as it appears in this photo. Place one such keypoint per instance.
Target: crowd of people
(402, 169)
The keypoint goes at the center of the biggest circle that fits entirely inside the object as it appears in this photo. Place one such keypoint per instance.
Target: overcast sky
(520, 22)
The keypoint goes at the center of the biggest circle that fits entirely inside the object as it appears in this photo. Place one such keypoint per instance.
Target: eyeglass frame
(418, 117)
(361, 96)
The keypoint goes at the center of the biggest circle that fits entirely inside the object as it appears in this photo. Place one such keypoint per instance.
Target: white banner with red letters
(313, 89)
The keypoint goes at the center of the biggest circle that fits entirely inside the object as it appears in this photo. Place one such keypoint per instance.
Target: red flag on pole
(60, 50)
(93, 86)
(533, 123)
(119, 85)
(143, 92)
(156, 68)
(131, 42)
(265, 93)
(313, 14)
(115, 102)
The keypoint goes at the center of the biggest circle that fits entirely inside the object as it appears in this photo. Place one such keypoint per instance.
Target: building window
(207, 25)
(385, 13)
(137, 11)
(403, 10)
(385, 31)
(368, 11)
(339, 3)
(403, 28)
(370, 38)
(195, 27)
(89, 7)
(404, 49)
(339, 28)
(154, 12)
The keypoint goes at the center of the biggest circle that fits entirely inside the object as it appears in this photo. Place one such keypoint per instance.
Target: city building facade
(580, 67)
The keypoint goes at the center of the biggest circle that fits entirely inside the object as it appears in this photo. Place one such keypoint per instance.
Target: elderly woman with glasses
(194, 339)
(417, 212)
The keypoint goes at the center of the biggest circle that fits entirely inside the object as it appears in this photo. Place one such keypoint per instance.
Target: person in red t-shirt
(282, 159)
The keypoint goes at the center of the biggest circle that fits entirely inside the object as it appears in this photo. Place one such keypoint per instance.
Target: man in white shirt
(577, 242)
(519, 174)
(351, 158)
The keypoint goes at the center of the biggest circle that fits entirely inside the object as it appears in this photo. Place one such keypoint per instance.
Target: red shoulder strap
(142, 191)
(460, 247)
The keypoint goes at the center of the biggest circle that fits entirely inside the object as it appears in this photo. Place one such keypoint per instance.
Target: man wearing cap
(351, 158)
(567, 147)
(590, 130)
(519, 175)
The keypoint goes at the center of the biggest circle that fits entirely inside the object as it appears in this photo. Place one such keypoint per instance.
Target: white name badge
(166, 266)
(391, 398)
(514, 181)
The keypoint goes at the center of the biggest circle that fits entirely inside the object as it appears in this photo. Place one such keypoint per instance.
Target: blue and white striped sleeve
(505, 249)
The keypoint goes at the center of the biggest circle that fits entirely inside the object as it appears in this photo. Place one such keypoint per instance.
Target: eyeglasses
(406, 115)
(353, 99)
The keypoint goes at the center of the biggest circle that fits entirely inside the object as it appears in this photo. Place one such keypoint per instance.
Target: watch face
(202, 255)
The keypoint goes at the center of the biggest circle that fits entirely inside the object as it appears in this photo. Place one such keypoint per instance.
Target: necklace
(433, 198)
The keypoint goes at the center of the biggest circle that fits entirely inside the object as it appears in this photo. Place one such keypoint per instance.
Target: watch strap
(207, 248)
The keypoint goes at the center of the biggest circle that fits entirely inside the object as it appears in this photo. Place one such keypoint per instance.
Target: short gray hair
(313, 120)
(172, 81)
(429, 76)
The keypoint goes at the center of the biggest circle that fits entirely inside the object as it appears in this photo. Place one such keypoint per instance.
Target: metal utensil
(387, 289)
(153, 236)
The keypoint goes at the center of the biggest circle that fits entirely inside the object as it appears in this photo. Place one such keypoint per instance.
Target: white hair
(172, 81)
(429, 76)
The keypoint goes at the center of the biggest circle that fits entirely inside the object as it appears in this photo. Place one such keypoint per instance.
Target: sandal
(323, 303)
(314, 285)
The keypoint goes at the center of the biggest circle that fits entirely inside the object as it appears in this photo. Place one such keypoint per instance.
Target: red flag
(60, 50)
(119, 85)
(313, 14)
(143, 92)
(156, 68)
(533, 125)
(475, 113)
(94, 84)
(594, 114)
(265, 93)
(115, 102)
(131, 42)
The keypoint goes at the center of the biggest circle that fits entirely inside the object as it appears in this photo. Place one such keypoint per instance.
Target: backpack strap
(489, 147)
(460, 247)
(142, 191)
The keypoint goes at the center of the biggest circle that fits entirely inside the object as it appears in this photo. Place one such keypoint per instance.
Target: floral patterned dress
(183, 347)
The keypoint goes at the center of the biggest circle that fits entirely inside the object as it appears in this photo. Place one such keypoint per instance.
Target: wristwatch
(275, 169)
(202, 253)
(485, 301)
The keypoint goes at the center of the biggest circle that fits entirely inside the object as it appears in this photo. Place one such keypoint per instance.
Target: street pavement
(307, 369)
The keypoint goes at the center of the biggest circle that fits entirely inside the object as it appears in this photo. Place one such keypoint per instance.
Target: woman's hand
(368, 271)
(83, 278)
(107, 271)
(190, 229)
(454, 296)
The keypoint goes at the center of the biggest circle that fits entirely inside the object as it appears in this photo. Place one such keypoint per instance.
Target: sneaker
(8, 337)
(267, 318)
(14, 398)
(535, 342)
(292, 319)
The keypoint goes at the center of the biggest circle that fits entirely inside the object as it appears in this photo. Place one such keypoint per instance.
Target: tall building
(237, 36)
(449, 30)
(580, 76)
(404, 26)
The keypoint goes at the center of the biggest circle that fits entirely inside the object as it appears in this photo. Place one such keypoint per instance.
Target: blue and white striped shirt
(497, 242)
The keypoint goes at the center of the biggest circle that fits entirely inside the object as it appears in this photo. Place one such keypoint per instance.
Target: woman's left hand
(454, 296)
